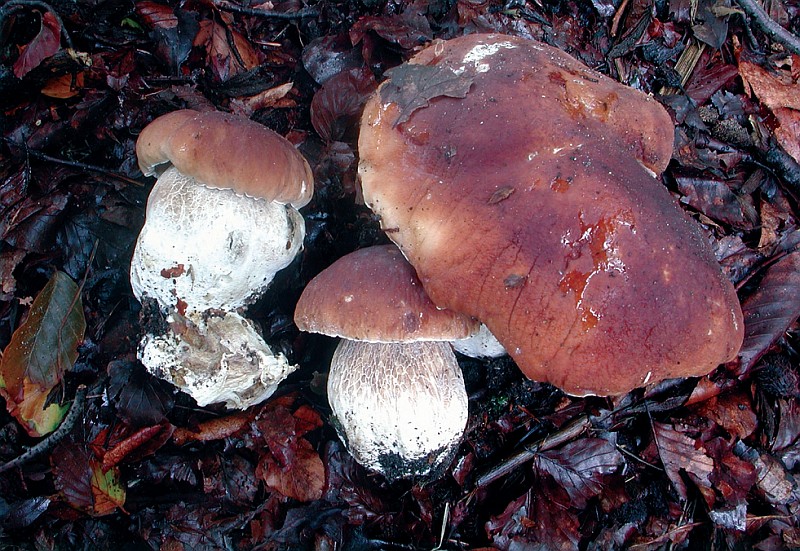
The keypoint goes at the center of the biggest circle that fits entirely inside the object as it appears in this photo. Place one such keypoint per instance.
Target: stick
(569, 431)
(55, 437)
(769, 26)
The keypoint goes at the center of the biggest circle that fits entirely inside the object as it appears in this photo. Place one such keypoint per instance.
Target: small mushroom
(519, 184)
(394, 386)
(221, 221)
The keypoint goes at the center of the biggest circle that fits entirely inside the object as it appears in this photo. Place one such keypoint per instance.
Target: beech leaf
(771, 310)
(413, 87)
(579, 467)
(82, 481)
(679, 452)
(45, 44)
(41, 350)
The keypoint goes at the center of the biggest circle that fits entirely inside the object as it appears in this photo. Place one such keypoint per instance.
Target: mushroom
(395, 387)
(523, 193)
(222, 217)
(221, 221)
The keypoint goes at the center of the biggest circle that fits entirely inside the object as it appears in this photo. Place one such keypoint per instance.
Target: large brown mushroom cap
(374, 295)
(527, 205)
(225, 151)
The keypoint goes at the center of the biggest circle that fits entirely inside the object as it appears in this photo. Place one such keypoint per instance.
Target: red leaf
(679, 452)
(45, 44)
(83, 483)
(156, 15)
(771, 310)
(733, 412)
(540, 519)
(137, 445)
(303, 478)
(336, 106)
(713, 198)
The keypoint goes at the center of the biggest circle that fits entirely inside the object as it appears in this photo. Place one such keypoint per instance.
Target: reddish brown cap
(525, 204)
(374, 295)
(222, 150)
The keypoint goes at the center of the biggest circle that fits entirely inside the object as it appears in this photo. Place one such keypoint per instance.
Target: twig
(272, 14)
(769, 26)
(568, 432)
(55, 437)
(13, 5)
(38, 155)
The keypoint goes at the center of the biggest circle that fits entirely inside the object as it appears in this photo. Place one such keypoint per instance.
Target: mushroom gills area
(210, 248)
(215, 359)
(400, 408)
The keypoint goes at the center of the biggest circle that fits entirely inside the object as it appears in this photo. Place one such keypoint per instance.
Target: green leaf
(41, 350)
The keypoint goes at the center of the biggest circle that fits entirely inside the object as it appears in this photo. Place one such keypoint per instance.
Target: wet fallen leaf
(771, 310)
(580, 466)
(302, 478)
(780, 91)
(45, 44)
(413, 87)
(83, 483)
(41, 350)
(141, 399)
(337, 104)
(539, 519)
(679, 452)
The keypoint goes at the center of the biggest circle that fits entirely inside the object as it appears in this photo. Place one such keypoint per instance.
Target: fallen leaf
(413, 87)
(220, 42)
(540, 519)
(65, 86)
(580, 466)
(679, 452)
(134, 445)
(733, 412)
(41, 350)
(45, 44)
(771, 310)
(302, 479)
(140, 398)
(338, 103)
(82, 481)
(780, 91)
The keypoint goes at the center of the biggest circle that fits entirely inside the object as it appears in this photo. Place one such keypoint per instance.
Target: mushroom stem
(400, 408)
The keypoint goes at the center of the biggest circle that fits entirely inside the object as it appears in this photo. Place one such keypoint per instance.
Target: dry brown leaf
(679, 452)
(779, 91)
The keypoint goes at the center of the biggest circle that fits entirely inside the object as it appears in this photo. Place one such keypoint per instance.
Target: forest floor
(705, 463)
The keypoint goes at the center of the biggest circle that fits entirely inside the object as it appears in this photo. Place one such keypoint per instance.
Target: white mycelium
(215, 359)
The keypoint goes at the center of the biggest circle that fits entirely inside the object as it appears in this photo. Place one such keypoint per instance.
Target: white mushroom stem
(482, 344)
(401, 408)
(210, 248)
(215, 359)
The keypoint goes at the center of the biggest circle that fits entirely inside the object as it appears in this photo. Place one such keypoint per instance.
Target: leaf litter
(692, 464)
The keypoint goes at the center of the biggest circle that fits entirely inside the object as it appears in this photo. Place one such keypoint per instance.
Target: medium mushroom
(222, 217)
(221, 221)
(521, 189)
(394, 386)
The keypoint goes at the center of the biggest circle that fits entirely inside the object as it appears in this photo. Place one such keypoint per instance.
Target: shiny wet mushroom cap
(394, 386)
(523, 195)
